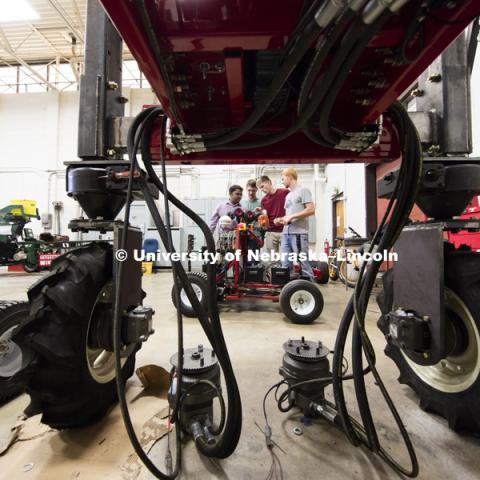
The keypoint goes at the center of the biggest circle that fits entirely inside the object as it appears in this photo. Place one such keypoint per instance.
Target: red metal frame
(222, 31)
(234, 288)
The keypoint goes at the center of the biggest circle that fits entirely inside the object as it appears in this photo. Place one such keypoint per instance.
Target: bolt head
(418, 92)
(435, 77)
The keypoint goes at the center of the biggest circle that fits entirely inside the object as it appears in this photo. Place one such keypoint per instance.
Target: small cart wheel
(321, 276)
(301, 301)
(200, 287)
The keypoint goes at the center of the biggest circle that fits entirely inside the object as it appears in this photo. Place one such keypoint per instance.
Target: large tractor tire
(72, 383)
(199, 284)
(11, 315)
(450, 388)
(301, 301)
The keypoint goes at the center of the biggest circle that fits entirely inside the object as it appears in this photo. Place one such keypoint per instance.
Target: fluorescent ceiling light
(16, 11)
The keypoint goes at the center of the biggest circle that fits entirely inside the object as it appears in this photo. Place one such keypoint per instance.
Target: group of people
(287, 209)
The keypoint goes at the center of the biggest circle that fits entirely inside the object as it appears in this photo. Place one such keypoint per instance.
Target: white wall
(38, 133)
(348, 179)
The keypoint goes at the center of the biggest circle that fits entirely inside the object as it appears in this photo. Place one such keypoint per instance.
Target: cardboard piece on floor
(98, 451)
(7, 442)
(155, 380)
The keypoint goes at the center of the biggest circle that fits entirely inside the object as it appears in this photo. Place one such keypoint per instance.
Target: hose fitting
(374, 9)
(397, 5)
(328, 11)
(357, 5)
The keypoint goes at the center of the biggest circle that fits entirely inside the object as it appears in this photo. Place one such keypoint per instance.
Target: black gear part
(460, 409)
(200, 280)
(12, 313)
(61, 386)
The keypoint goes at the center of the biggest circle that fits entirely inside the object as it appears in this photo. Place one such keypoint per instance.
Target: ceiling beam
(79, 17)
(46, 40)
(59, 9)
(22, 42)
(5, 44)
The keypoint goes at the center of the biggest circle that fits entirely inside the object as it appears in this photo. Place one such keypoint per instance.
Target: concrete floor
(255, 333)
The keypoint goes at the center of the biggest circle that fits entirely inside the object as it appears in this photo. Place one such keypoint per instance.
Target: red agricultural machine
(241, 274)
(262, 81)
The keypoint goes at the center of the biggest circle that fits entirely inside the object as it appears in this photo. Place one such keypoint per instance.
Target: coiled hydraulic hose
(231, 433)
(406, 189)
(226, 445)
(117, 342)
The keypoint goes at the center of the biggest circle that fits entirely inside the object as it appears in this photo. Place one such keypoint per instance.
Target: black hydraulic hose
(304, 42)
(357, 367)
(337, 373)
(145, 117)
(117, 341)
(407, 189)
(202, 315)
(357, 29)
(180, 349)
(160, 62)
(364, 285)
(306, 14)
(207, 449)
(355, 44)
(325, 44)
(416, 26)
(346, 320)
(320, 57)
(228, 442)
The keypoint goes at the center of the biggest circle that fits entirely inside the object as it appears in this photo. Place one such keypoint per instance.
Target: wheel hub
(184, 298)
(302, 302)
(10, 355)
(101, 361)
(459, 370)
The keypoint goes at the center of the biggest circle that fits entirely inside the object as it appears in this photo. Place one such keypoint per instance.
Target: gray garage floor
(255, 333)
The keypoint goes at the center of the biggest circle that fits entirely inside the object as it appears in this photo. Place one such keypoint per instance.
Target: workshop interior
(238, 239)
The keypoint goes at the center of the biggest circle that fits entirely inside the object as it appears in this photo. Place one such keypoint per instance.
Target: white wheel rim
(10, 354)
(456, 373)
(302, 302)
(183, 295)
(101, 362)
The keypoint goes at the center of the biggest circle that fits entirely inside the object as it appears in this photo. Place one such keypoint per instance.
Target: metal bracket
(418, 284)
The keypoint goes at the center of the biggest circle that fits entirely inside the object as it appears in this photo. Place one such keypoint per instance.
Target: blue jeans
(296, 243)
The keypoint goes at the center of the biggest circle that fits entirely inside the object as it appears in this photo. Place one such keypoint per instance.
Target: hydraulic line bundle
(352, 25)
